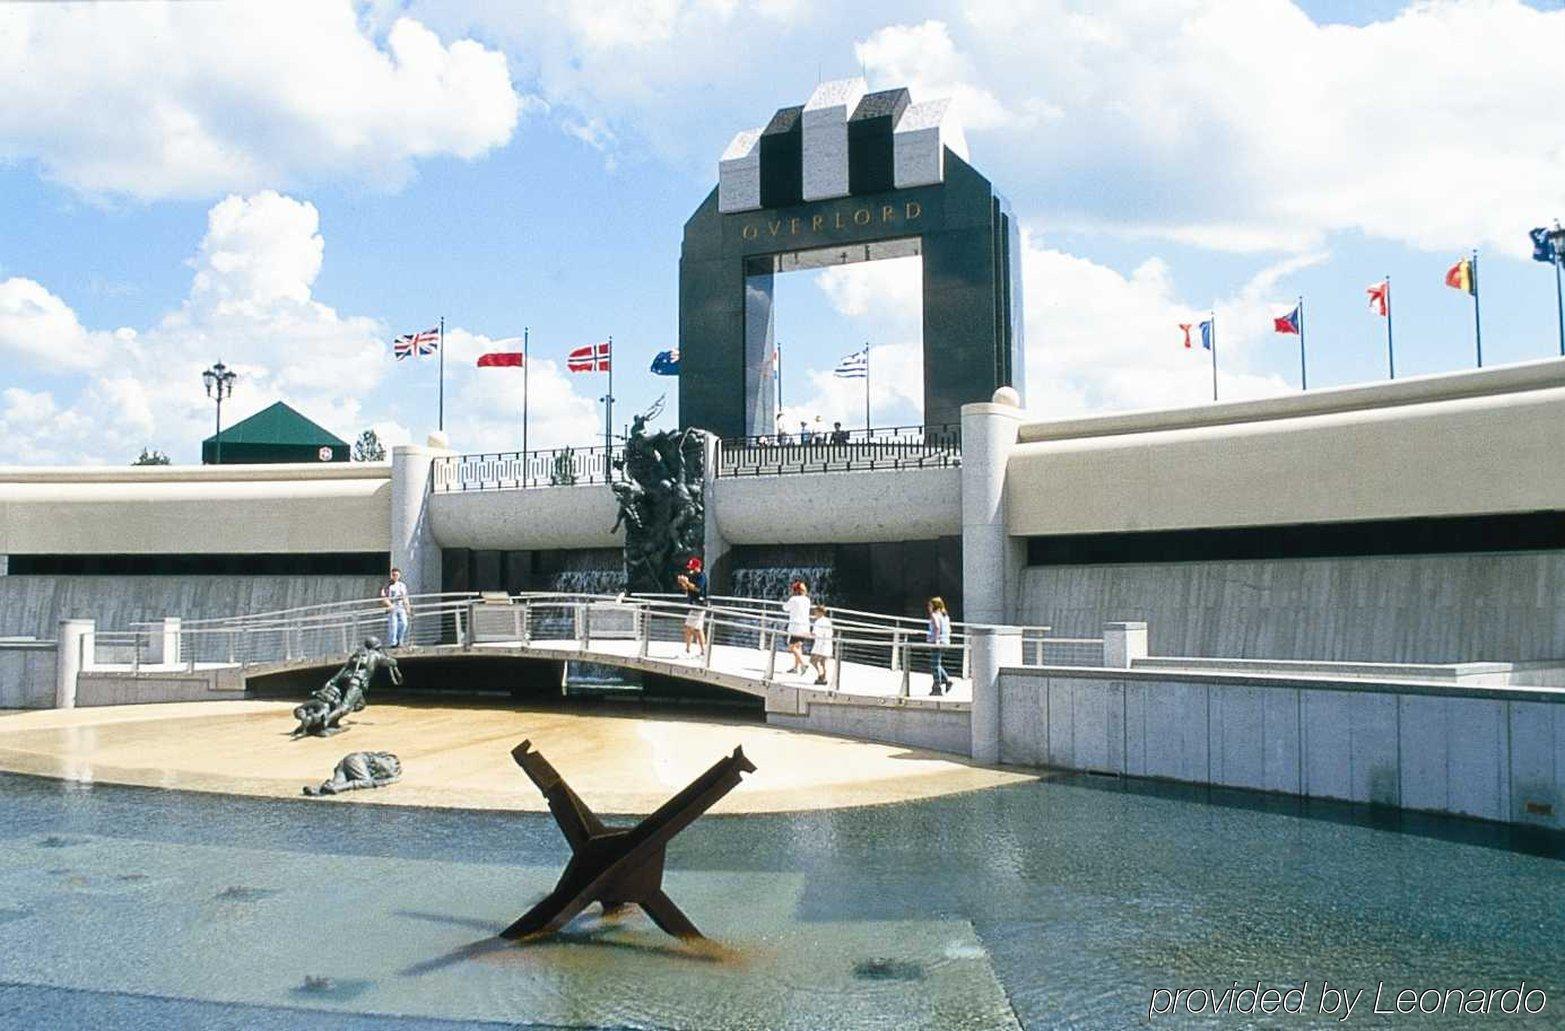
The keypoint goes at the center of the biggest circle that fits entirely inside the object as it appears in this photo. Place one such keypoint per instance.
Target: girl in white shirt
(820, 649)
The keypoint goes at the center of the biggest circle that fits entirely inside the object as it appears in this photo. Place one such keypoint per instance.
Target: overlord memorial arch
(847, 176)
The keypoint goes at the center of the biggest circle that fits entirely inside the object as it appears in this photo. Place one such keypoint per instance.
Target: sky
(288, 186)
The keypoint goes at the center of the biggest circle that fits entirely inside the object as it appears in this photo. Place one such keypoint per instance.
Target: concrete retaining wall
(1424, 608)
(34, 605)
(1490, 752)
(94, 688)
(27, 672)
(914, 722)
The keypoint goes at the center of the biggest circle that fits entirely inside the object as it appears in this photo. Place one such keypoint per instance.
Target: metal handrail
(893, 447)
(514, 470)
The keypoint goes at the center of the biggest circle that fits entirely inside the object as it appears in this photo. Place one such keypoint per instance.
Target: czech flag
(1288, 323)
(1186, 327)
(1380, 297)
(1463, 276)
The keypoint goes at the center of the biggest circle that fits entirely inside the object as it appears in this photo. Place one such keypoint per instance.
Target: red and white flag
(1186, 327)
(592, 358)
(1380, 297)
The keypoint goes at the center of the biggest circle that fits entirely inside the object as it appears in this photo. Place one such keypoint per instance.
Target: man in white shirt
(399, 610)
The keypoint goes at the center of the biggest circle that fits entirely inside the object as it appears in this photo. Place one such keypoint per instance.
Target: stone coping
(196, 473)
(1511, 693)
(1535, 375)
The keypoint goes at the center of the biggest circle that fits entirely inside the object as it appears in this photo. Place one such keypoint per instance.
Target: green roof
(278, 424)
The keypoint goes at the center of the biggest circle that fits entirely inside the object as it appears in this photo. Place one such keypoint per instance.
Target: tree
(563, 472)
(151, 456)
(368, 448)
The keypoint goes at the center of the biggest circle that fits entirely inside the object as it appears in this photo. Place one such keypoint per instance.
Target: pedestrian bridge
(875, 657)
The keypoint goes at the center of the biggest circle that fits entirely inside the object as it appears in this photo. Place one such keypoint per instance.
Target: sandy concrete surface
(459, 756)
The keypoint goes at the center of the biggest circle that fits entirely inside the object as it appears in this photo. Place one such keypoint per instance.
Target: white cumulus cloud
(187, 99)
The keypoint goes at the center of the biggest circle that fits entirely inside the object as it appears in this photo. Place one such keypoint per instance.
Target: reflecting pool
(1065, 902)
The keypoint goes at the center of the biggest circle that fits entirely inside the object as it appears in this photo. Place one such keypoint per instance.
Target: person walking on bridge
(799, 634)
(399, 609)
(939, 637)
(693, 582)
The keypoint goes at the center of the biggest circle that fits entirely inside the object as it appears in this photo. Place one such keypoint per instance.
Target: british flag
(427, 342)
(591, 358)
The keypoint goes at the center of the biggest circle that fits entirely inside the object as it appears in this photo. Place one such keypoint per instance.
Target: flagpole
(1559, 298)
(777, 357)
(440, 421)
(608, 411)
(866, 390)
(1477, 320)
(526, 394)
(1391, 354)
(1304, 379)
(1212, 317)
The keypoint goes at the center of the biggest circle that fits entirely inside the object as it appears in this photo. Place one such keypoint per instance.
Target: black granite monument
(972, 318)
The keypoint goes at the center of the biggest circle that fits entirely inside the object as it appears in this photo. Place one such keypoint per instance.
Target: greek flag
(854, 366)
(1543, 245)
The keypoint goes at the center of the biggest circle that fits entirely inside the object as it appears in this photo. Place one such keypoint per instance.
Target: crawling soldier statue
(361, 770)
(344, 692)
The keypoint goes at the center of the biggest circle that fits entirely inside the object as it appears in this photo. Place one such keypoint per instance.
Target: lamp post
(219, 380)
(1556, 238)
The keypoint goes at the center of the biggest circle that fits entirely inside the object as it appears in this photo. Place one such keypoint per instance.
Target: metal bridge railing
(748, 637)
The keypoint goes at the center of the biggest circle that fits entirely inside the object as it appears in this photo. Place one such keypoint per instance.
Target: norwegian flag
(592, 358)
(425, 343)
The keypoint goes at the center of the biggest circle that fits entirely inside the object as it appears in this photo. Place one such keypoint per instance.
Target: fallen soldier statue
(345, 691)
(360, 770)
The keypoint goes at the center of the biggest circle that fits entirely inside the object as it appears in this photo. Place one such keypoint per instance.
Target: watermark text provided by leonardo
(1345, 1002)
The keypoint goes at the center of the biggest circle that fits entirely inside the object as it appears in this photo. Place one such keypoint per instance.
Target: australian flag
(666, 363)
(1542, 246)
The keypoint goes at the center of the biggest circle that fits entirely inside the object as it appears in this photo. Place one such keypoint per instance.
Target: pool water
(1061, 903)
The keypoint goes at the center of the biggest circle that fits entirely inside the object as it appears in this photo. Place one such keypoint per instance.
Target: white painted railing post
(993, 648)
(526, 635)
(1123, 644)
(771, 654)
(585, 622)
(708, 624)
(898, 651)
(644, 623)
(73, 650)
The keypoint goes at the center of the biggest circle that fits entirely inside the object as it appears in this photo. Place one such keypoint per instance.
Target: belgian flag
(1463, 276)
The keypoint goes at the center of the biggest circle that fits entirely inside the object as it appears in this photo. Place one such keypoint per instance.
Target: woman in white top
(798, 609)
(940, 638)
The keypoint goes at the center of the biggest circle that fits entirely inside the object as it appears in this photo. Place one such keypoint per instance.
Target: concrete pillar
(413, 547)
(75, 640)
(1123, 643)
(992, 648)
(163, 643)
(991, 560)
(715, 546)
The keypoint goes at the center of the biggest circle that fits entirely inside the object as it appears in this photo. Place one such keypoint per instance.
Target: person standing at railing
(839, 435)
(693, 582)
(939, 637)
(399, 609)
(798, 609)
(820, 647)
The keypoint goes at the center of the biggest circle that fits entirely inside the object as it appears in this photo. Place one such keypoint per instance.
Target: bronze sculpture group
(661, 503)
(359, 770)
(345, 692)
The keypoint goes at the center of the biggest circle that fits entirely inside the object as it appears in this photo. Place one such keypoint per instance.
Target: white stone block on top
(739, 173)
(825, 137)
(919, 142)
